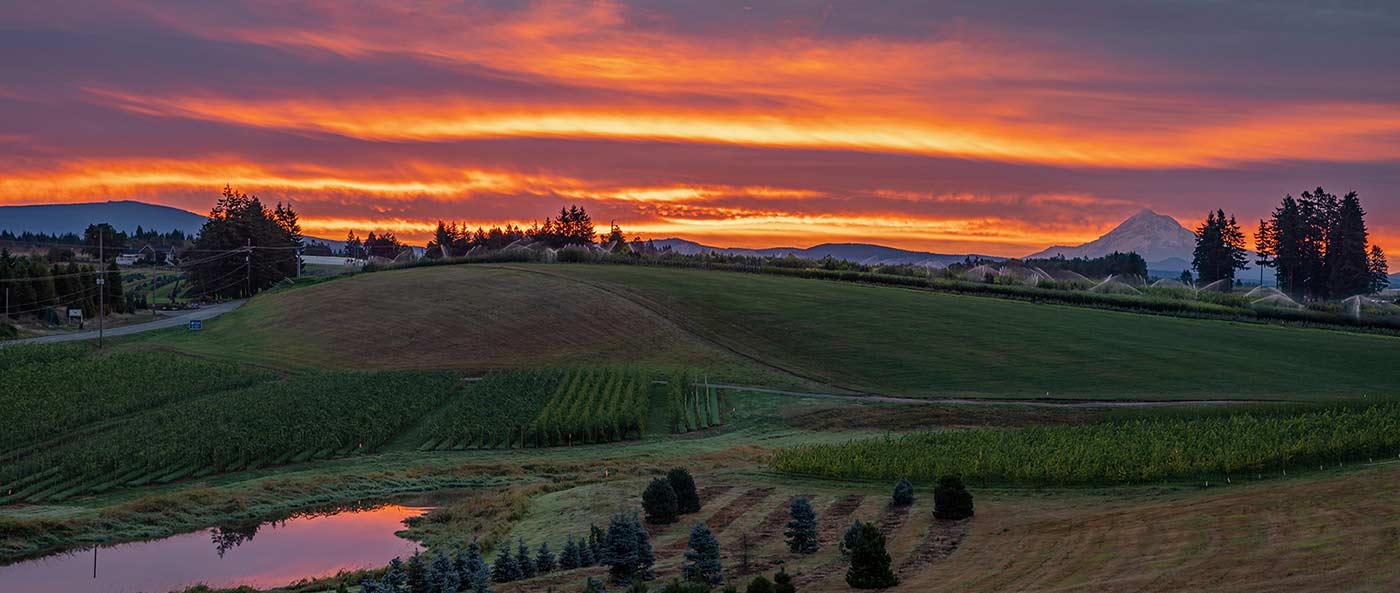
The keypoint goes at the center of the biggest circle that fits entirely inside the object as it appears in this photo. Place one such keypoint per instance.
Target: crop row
(1125, 452)
(306, 416)
(690, 405)
(553, 408)
(52, 390)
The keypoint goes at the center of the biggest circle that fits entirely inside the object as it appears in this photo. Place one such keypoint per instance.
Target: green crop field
(765, 329)
(311, 415)
(1137, 451)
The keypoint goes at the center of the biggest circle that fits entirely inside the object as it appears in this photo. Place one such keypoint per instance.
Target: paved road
(135, 328)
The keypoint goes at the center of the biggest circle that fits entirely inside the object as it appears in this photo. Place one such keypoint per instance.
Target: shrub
(759, 585)
(687, 498)
(782, 582)
(951, 500)
(659, 502)
(870, 563)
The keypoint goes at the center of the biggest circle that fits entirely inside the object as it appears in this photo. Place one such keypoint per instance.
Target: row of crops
(543, 408)
(52, 391)
(313, 415)
(691, 405)
(1125, 452)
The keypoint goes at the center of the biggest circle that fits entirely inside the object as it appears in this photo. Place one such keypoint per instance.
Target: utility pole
(248, 268)
(101, 306)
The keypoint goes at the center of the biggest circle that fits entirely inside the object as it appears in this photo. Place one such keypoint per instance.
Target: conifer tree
(627, 550)
(903, 494)
(524, 561)
(848, 539)
(505, 570)
(801, 529)
(702, 557)
(417, 574)
(478, 576)
(568, 558)
(595, 544)
(646, 558)
(951, 500)
(659, 502)
(443, 576)
(782, 582)
(1380, 270)
(586, 554)
(1219, 248)
(1347, 263)
(870, 563)
(544, 559)
(396, 578)
(687, 497)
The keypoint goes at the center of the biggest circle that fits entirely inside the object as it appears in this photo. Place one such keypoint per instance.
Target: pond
(259, 555)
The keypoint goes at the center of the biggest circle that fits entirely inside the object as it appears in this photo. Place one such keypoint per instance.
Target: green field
(527, 401)
(774, 330)
(1131, 452)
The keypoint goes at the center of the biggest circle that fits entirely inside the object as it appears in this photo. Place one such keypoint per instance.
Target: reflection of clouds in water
(282, 552)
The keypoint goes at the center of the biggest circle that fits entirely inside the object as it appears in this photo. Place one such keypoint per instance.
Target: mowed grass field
(775, 330)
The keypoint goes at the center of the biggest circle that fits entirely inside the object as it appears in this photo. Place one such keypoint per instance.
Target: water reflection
(261, 555)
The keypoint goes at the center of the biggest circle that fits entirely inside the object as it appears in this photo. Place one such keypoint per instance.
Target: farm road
(209, 312)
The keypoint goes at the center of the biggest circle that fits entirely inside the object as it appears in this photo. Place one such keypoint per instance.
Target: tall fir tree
(524, 560)
(568, 557)
(544, 559)
(1346, 257)
(620, 552)
(505, 570)
(702, 557)
(1379, 268)
(801, 528)
(417, 574)
(1219, 249)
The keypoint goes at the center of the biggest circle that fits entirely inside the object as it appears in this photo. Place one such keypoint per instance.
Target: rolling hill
(775, 330)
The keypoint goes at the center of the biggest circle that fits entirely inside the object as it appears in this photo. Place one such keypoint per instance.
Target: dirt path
(942, 540)
(1042, 403)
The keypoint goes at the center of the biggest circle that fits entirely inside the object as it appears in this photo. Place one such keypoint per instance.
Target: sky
(996, 127)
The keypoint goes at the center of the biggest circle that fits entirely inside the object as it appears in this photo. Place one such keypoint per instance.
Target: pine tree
(568, 558)
(396, 578)
(478, 576)
(659, 502)
(1348, 273)
(595, 545)
(801, 529)
(505, 570)
(646, 558)
(586, 554)
(523, 560)
(903, 494)
(1380, 270)
(782, 582)
(870, 563)
(544, 560)
(620, 550)
(702, 559)
(687, 497)
(848, 539)
(417, 574)
(951, 500)
(443, 576)
(1219, 249)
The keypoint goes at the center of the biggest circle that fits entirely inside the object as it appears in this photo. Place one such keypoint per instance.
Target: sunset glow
(908, 124)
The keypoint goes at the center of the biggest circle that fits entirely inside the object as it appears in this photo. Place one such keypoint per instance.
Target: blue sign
(196, 325)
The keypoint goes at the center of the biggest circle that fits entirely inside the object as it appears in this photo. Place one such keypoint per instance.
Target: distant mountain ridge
(123, 215)
(862, 253)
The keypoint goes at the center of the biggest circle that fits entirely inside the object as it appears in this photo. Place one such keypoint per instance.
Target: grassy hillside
(763, 328)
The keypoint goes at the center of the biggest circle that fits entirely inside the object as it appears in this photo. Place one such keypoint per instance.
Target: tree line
(33, 287)
(245, 247)
(572, 226)
(1317, 243)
